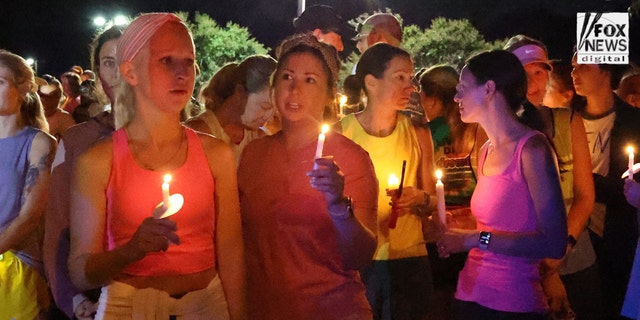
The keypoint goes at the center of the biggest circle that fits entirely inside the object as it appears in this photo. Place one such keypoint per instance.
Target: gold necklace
(154, 167)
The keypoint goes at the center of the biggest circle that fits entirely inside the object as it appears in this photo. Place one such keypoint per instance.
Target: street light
(102, 23)
(33, 63)
(99, 21)
(120, 20)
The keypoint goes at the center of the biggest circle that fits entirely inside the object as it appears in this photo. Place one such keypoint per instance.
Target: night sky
(57, 33)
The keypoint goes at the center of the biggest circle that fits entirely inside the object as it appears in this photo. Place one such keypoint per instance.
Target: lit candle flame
(324, 129)
(343, 100)
(438, 174)
(630, 150)
(393, 181)
(166, 196)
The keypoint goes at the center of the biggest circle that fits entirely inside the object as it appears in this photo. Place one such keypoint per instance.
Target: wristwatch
(348, 212)
(484, 240)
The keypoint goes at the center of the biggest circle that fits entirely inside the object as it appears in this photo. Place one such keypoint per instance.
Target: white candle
(343, 102)
(166, 202)
(321, 137)
(631, 161)
(442, 213)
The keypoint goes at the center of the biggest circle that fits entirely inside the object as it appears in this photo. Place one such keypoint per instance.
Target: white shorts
(122, 301)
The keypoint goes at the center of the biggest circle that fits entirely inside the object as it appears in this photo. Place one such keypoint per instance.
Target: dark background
(57, 33)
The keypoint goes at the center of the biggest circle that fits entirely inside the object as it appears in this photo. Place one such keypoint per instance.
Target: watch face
(485, 238)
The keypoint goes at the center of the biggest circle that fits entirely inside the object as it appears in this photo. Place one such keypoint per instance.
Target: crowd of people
(128, 196)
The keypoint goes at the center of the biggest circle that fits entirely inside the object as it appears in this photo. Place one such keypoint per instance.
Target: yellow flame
(325, 128)
(393, 181)
(438, 174)
(167, 178)
(343, 99)
(630, 150)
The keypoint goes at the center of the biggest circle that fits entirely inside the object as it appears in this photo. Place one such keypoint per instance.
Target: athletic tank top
(501, 282)
(133, 193)
(387, 154)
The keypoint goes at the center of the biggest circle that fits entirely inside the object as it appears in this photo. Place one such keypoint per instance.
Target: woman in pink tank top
(517, 202)
(189, 264)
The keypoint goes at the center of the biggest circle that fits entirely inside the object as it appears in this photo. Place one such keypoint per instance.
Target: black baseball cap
(321, 17)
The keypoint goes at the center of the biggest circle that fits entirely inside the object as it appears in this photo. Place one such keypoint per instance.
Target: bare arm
(426, 178)
(549, 240)
(89, 264)
(228, 237)
(34, 194)
(356, 239)
(583, 189)
(415, 198)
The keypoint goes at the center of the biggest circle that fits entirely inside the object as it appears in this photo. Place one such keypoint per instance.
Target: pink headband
(138, 33)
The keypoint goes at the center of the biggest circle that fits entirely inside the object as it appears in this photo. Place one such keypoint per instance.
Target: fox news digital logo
(602, 38)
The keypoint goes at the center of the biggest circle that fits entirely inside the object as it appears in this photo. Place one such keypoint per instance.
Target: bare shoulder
(98, 157)
(45, 141)
(537, 151)
(43, 147)
(217, 151)
(423, 133)
(197, 124)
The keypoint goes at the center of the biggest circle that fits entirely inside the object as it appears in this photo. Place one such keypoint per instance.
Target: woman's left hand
(327, 178)
(411, 197)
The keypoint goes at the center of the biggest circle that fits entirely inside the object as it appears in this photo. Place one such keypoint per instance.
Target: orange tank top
(132, 194)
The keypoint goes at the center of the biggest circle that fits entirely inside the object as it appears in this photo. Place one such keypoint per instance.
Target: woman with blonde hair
(189, 264)
(237, 102)
(25, 163)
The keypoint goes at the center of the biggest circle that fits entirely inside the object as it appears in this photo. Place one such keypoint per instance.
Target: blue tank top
(14, 165)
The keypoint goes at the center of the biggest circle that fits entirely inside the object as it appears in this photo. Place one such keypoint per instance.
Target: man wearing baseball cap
(325, 24)
(379, 27)
(572, 283)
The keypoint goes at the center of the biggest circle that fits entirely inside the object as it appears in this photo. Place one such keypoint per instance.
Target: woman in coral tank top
(189, 264)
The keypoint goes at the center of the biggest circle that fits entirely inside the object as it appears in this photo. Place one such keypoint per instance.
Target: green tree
(218, 45)
(445, 42)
